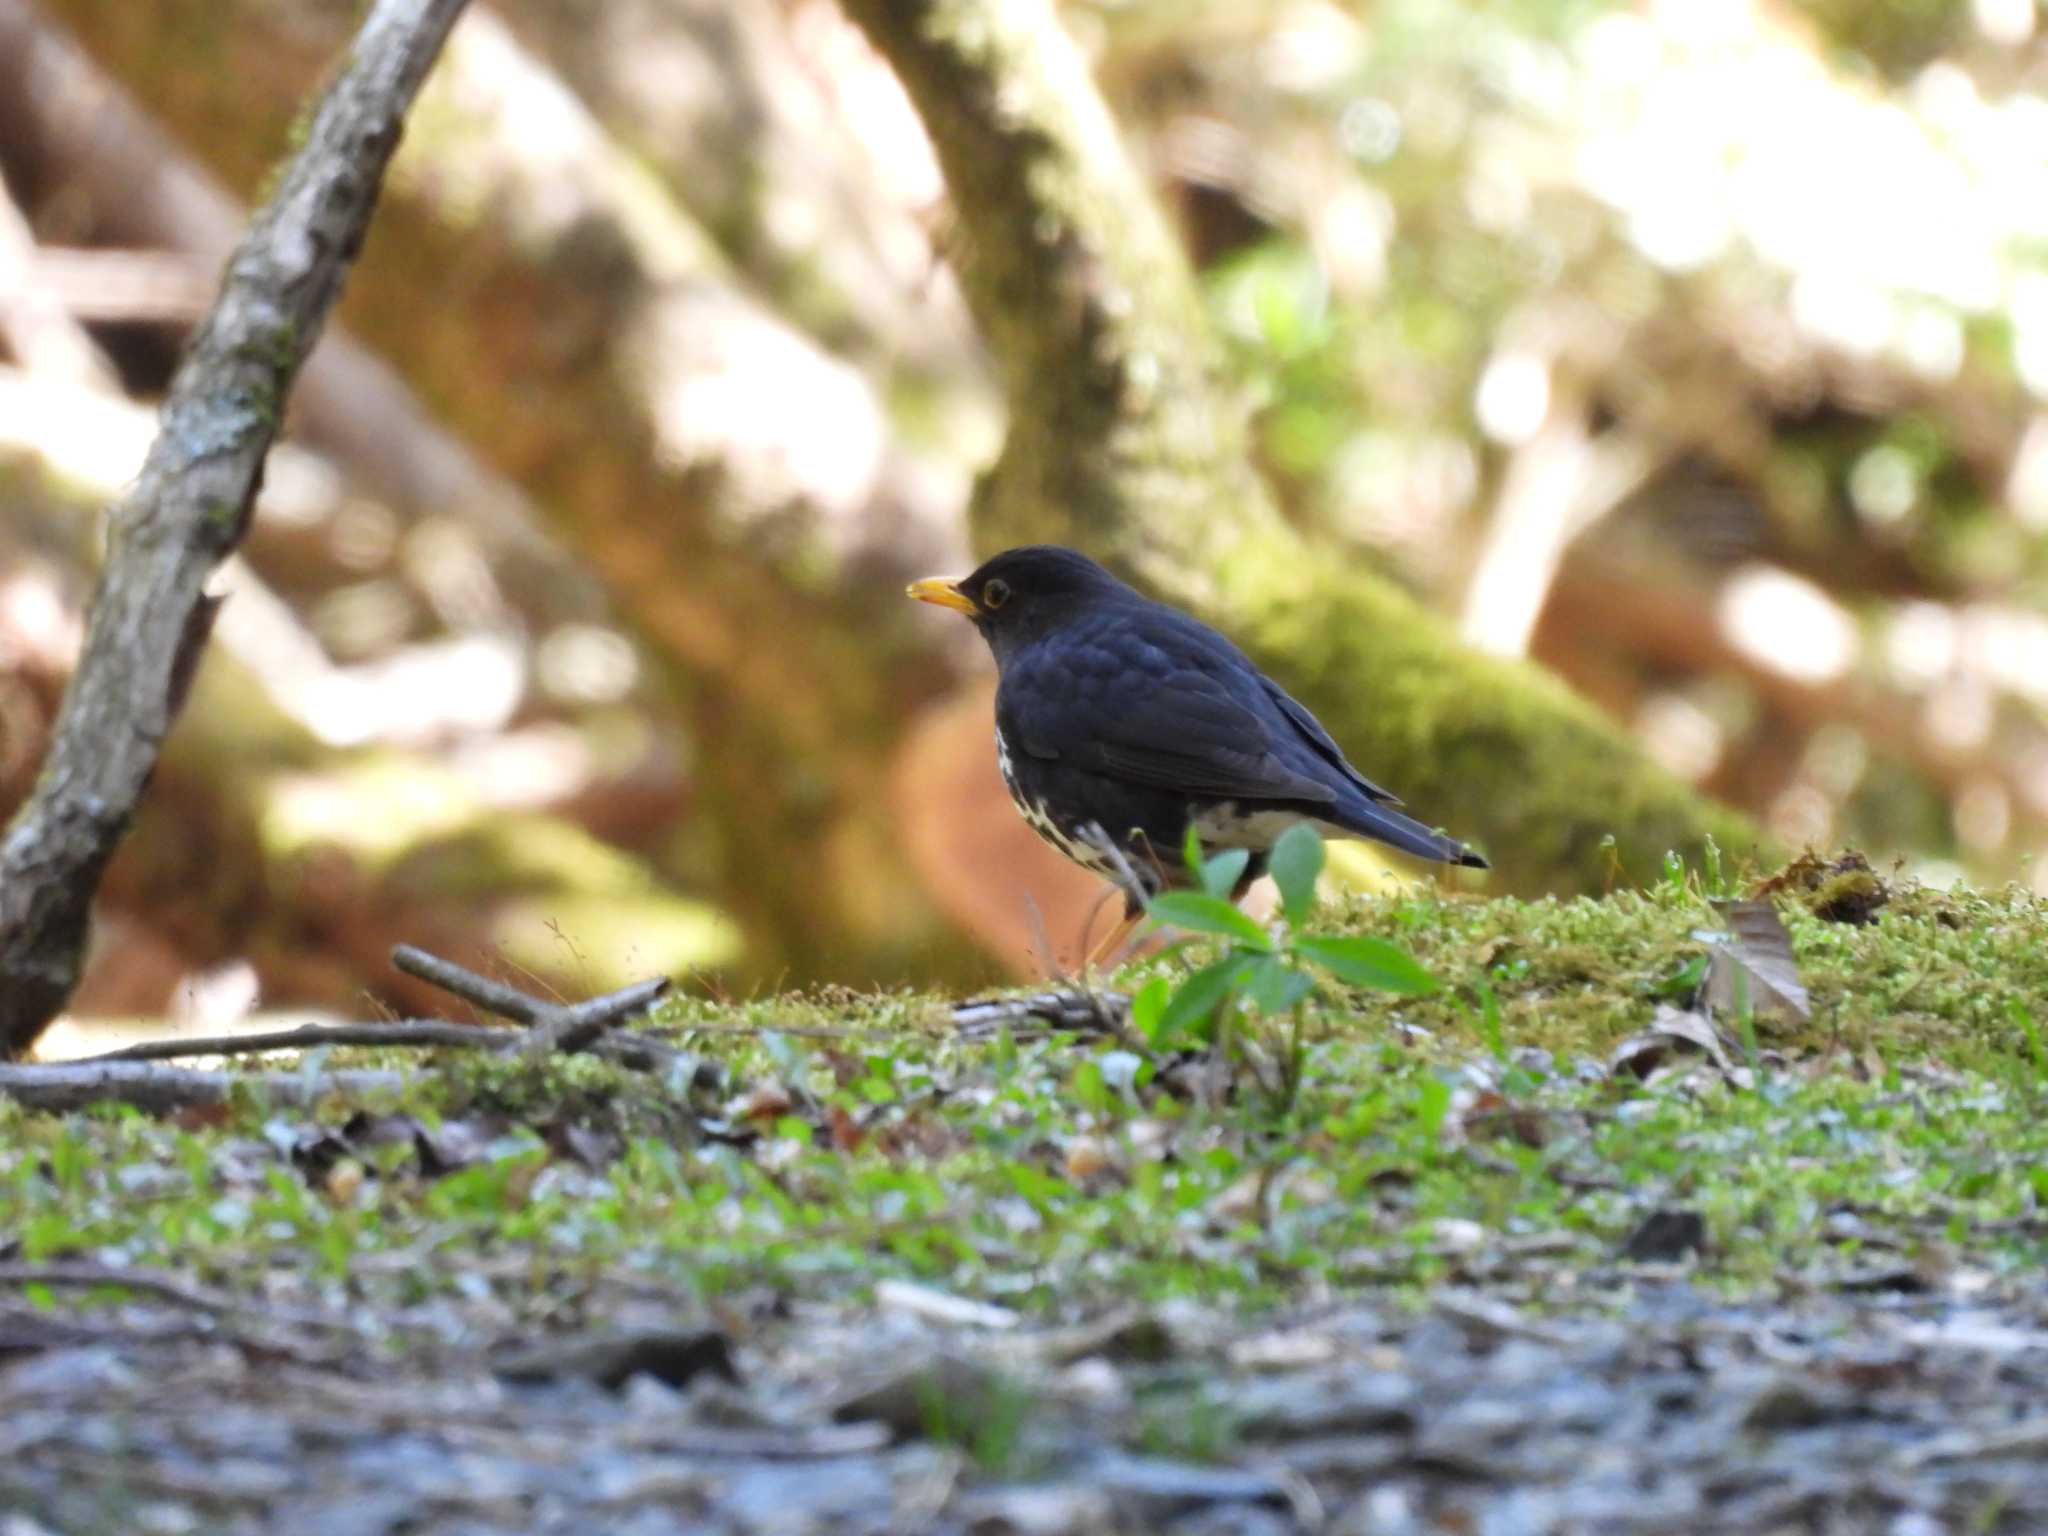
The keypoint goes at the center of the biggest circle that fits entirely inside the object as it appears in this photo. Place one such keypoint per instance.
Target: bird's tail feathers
(1388, 826)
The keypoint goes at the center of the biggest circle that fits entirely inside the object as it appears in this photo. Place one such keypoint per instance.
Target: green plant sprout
(1265, 972)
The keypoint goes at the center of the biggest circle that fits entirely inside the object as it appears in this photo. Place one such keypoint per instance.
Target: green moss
(858, 1136)
(1937, 973)
(556, 1091)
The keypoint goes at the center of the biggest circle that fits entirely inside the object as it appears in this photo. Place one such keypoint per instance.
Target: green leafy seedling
(1270, 974)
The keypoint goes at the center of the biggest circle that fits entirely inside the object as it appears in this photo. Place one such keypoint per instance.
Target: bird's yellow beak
(947, 594)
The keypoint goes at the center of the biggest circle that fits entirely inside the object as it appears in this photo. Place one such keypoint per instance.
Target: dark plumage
(1118, 720)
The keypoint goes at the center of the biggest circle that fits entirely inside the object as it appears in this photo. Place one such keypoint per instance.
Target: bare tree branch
(190, 508)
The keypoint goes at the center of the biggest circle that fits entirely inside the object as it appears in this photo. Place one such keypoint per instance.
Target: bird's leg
(1113, 942)
(1156, 867)
(1135, 892)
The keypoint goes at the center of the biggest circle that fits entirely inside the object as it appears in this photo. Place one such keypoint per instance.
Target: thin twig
(550, 1026)
(507, 1002)
(398, 1032)
(576, 1026)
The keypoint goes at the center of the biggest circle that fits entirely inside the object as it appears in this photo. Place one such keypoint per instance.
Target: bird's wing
(1181, 732)
(1318, 738)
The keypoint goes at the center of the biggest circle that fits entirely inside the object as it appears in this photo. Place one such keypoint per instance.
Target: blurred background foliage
(1697, 351)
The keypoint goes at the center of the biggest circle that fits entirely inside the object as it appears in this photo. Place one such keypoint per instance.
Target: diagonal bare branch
(190, 508)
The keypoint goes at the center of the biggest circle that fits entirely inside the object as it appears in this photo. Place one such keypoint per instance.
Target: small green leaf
(1683, 982)
(1220, 874)
(1089, 1089)
(1432, 1104)
(1489, 1021)
(1148, 1008)
(1041, 1189)
(1294, 864)
(1200, 913)
(1368, 962)
(1273, 986)
(1191, 851)
(1199, 997)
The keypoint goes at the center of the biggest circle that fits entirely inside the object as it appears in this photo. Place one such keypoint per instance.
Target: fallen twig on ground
(128, 1075)
(63, 1086)
(397, 1032)
(1076, 1009)
(550, 1026)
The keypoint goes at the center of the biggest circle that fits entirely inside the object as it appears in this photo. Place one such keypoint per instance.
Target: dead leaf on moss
(763, 1101)
(1494, 1114)
(1672, 1032)
(1754, 969)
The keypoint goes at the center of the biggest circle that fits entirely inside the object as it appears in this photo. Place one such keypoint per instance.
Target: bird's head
(1024, 593)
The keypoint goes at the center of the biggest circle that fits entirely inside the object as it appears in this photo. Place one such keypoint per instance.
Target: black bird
(1120, 721)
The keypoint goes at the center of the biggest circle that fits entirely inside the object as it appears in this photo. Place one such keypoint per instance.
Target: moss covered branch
(1126, 439)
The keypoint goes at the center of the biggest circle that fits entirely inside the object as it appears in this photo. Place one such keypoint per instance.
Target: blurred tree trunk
(1126, 440)
(744, 120)
(793, 673)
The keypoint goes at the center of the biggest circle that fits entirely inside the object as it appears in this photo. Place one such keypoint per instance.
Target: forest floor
(1567, 1245)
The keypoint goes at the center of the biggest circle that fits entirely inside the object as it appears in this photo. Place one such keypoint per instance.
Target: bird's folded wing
(1312, 729)
(1184, 734)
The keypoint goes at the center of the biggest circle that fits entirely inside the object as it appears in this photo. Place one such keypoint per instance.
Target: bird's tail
(1384, 824)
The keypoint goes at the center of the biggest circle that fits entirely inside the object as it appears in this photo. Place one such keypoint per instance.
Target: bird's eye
(995, 594)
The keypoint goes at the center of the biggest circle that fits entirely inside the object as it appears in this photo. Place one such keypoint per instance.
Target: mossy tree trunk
(1125, 440)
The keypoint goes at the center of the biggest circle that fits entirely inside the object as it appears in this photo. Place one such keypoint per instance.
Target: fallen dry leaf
(1088, 1156)
(763, 1101)
(1755, 969)
(1671, 1030)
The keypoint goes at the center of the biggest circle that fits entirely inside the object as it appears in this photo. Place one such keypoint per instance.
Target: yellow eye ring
(995, 594)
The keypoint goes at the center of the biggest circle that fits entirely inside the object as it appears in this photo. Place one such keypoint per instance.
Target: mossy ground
(855, 1137)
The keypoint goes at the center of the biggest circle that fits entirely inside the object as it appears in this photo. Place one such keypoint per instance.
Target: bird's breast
(1032, 805)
